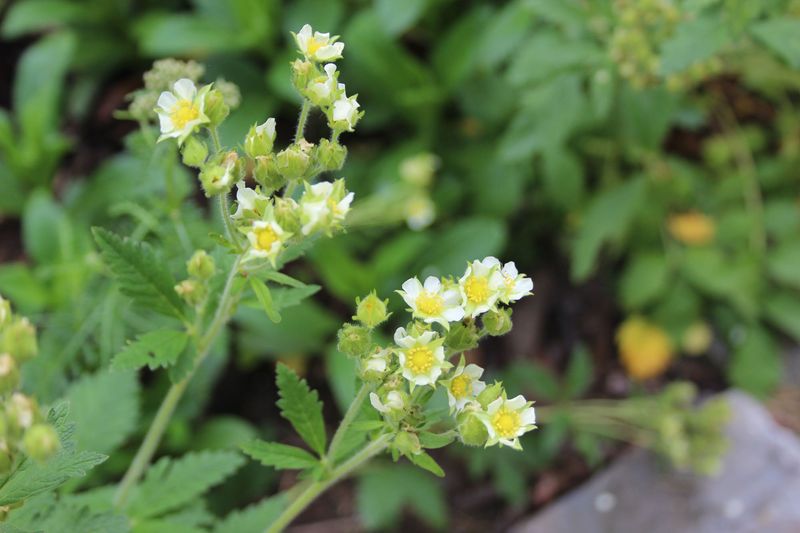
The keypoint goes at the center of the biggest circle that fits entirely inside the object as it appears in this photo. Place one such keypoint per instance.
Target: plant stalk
(349, 416)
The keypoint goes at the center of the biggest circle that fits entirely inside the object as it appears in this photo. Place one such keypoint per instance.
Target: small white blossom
(433, 301)
(507, 420)
(345, 112)
(181, 110)
(378, 361)
(266, 240)
(323, 206)
(420, 212)
(394, 402)
(317, 46)
(324, 90)
(421, 356)
(480, 286)
(247, 201)
(515, 285)
(464, 386)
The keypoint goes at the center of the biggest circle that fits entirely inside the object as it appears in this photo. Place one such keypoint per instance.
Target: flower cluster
(449, 316)
(264, 222)
(23, 429)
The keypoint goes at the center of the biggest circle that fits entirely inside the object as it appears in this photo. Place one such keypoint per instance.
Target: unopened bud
(471, 429)
(41, 442)
(194, 152)
(21, 411)
(497, 322)
(407, 443)
(9, 374)
(302, 71)
(201, 265)
(354, 340)
(490, 394)
(215, 107)
(461, 337)
(219, 177)
(286, 214)
(267, 174)
(293, 162)
(19, 340)
(371, 311)
(260, 139)
(330, 155)
(191, 291)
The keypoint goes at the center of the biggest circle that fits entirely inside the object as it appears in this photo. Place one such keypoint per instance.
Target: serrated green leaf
(139, 274)
(287, 297)
(67, 514)
(782, 36)
(693, 41)
(253, 519)
(265, 299)
(301, 407)
(280, 456)
(169, 483)
(426, 462)
(154, 349)
(383, 492)
(105, 400)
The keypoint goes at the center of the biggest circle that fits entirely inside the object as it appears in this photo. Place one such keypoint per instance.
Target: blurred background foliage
(639, 158)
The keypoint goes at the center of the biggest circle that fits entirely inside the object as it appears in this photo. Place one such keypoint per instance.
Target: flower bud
(21, 412)
(371, 311)
(5, 312)
(215, 107)
(497, 322)
(19, 340)
(330, 155)
(680, 394)
(201, 265)
(218, 177)
(697, 338)
(490, 394)
(267, 174)
(461, 337)
(293, 162)
(191, 291)
(260, 139)
(354, 340)
(471, 429)
(286, 214)
(194, 152)
(41, 441)
(9, 374)
(302, 71)
(407, 443)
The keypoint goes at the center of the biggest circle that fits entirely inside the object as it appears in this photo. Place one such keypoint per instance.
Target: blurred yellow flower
(693, 228)
(644, 348)
(697, 338)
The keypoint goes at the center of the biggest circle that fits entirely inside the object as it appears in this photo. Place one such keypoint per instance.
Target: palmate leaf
(172, 483)
(139, 273)
(280, 456)
(33, 478)
(154, 349)
(301, 406)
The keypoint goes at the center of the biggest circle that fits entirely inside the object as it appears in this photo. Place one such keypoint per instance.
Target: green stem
(314, 489)
(349, 416)
(156, 431)
(225, 211)
(215, 139)
(301, 121)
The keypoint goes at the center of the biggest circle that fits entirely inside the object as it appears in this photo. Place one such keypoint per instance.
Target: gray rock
(757, 490)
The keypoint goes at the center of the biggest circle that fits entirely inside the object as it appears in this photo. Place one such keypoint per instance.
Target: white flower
(324, 205)
(181, 111)
(420, 212)
(22, 409)
(480, 286)
(267, 128)
(322, 91)
(247, 201)
(421, 356)
(515, 285)
(317, 46)
(266, 240)
(345, 112)
(464, 386)
(507, 420)
(394, 402)
(378, 361)
(433, 301)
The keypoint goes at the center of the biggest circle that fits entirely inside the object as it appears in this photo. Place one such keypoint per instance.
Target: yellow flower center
(477, 289)
(460, 386)
(266, 237)
(312, 45)
(183, 113)
(430, 304)
(420, 359)
(506, 423)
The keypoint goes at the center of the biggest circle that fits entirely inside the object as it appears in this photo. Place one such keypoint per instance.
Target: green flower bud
(219, 176)
(293, 162)
(9, 374)
(191, 291)
(19, 340)
(21, 412)
(215, 107)
(497, 322)
(302, 72)
(680, 394)
(371, 311)
(330, 155)
(490, 394)
(5, 312)
(267, 174)
(260, 139)
(286, 214)
(471, 429)
(407, 443)
(194, 152)
(41, 441)
(354, 340)
(201, 265)
(461, 337)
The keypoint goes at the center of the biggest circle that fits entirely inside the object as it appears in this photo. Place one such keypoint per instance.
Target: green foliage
(253, 518)
(154, 349)
(139, 274)
(279, 456)
(301, 407)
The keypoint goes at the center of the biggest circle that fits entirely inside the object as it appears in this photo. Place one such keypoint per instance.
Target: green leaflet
(301, 406)
(280, 456)
(155, 349)
(139, 274)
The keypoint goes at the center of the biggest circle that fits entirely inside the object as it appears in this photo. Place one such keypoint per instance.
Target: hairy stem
(349, 416)
(314, 489)
(301, 121)
(154, 434)
(225, 211)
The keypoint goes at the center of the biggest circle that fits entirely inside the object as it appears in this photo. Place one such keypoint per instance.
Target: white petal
(490, 262)
(473, 371)
(453, 314)
(412, 288)
(528, 417)
(478, 387)
(510, 270)
(516, 403)
(330, 69)
(432, 284)
(523, 285)
(376, 402)
(185, 89)
(400, 334)
(166, 100)
(426, 337)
